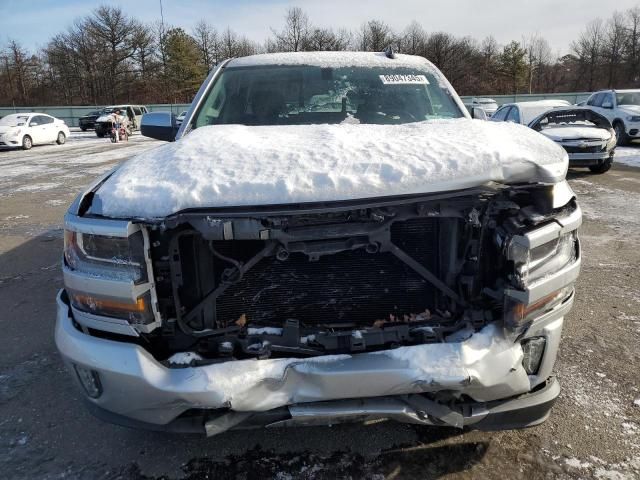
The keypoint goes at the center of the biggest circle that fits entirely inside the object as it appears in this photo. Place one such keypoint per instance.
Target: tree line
(110, 57)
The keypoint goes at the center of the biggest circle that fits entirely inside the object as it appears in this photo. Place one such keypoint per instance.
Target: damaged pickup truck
(329, 238)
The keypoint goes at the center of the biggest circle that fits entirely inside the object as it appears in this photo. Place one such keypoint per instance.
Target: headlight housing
(533, 264)
(546, 262)
(15, 133)
(633, 118)
(116, 258)
(107, 276)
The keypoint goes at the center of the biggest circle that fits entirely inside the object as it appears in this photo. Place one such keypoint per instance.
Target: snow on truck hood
(235, 165)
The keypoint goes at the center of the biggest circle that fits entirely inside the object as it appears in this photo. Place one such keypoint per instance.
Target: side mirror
(159, 125)
(607, 105)
(478, 113)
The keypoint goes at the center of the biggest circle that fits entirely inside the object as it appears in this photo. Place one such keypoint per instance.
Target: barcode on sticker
(404, 79)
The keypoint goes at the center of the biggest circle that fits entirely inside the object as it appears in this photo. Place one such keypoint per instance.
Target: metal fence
(71, 114)
(572, 97)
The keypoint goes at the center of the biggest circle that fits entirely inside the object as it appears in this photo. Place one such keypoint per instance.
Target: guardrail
(71, 114)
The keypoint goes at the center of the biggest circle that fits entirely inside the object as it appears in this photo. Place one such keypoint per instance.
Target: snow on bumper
(486, 367)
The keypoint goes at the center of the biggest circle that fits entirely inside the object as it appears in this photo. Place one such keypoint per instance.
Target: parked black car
(88, 121)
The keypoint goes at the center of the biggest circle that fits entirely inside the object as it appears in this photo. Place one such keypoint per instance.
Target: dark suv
(89, 120)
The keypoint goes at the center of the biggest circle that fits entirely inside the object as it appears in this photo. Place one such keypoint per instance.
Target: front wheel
(27, 142)
(621, 135)
(62, 138)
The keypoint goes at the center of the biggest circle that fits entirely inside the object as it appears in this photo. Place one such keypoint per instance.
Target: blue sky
(33, 22)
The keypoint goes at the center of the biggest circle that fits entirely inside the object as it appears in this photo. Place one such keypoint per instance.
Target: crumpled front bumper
(136, 387)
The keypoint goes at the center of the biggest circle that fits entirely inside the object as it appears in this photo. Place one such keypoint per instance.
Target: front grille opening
(351, 288)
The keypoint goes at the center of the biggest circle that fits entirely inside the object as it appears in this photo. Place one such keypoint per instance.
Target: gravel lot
(45, 432)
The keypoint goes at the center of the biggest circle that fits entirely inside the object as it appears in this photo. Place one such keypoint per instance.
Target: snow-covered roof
(236, 165)
(531, 110)
(333, 59)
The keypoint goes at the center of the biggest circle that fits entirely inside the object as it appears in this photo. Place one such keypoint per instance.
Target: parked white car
(524, 112)
(28, 129)
(622, 109)
(489, 105)
(586, 135)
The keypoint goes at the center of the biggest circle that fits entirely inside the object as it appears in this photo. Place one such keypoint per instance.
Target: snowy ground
(628, 155)
(61, 167)
(45, 432)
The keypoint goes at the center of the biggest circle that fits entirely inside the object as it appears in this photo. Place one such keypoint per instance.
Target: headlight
(15, 133)
(633, 118)
(106, 260)
(116, 258)
(536, 263)
(537, 256)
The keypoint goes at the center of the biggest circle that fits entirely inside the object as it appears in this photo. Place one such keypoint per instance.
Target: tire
(621, 135)
(84, 129)
(27, 142)
(99, 134)
(603, 167)
(62, 138)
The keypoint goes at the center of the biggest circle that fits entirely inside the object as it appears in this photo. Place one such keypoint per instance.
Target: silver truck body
(505, 267)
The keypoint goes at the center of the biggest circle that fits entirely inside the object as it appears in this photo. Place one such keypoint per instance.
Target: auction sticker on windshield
(404, 79)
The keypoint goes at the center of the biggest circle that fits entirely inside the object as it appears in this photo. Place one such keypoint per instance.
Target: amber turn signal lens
(521, 311)
(100, 304)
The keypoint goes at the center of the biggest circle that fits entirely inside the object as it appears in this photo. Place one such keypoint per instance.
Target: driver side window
(607, 99)
(501, 114)
(514, 115)
(597, 100)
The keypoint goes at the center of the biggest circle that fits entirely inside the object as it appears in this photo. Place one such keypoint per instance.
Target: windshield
(14, 120)
(628, 98)
(303, 95)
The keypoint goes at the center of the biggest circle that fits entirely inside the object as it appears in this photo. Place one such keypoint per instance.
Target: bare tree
(375, 36)
(413, 40)
(295, 33)
(18, 58)
(538, 55)
(588, 50)
(320, 39)
(613, 46)
(632, 45)
(231, 45)
(206, 36)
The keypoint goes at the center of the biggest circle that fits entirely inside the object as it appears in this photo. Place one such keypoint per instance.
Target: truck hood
(104, 118)
(235, 165)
